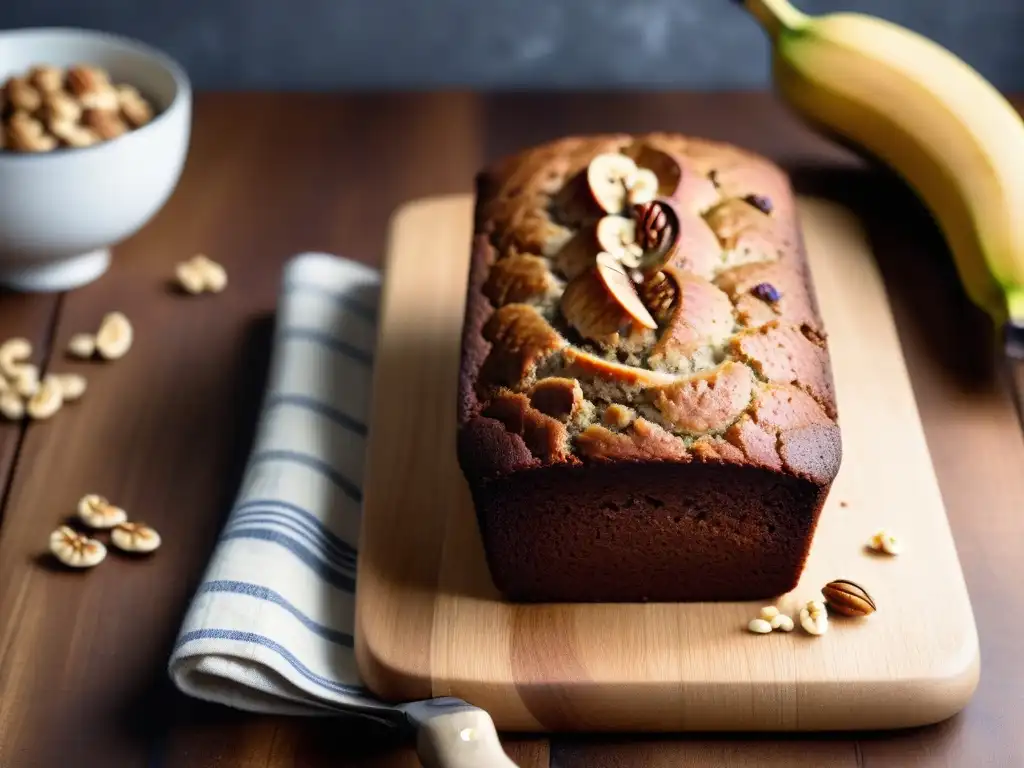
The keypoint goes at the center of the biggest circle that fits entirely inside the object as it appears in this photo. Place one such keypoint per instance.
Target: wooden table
(164, 431)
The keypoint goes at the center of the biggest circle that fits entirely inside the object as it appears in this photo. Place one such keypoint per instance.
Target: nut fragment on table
(25, 378)
(96, 512)
(769, 616)
(75, 549)
(114, 337)
(885, 542)
(82, 345)
(12, 407)
(134, 537)
(813, 618)
(759, 626)
(13, 353)
(72, 385)
(782, 622)
(47, 400)
(768, 612)
(201, 274)
(847, 598)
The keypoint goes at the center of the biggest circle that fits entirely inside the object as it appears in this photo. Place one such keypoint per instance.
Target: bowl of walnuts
(94, 131)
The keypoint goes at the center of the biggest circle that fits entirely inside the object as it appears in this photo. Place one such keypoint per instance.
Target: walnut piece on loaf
(640, 417)
(49, 108)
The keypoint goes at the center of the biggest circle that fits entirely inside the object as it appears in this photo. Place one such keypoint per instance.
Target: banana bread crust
(680, 450)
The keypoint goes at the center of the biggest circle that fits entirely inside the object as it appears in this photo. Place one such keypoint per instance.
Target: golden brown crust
(520, 340)
(733, 369)
(557, 397)
(545, 436)
(641, 441)
(518, 279)
(706, 402)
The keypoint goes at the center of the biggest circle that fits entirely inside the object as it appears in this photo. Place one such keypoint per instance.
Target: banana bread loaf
(646, 406)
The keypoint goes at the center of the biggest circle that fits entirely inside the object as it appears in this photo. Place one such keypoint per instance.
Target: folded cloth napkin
(270, 627)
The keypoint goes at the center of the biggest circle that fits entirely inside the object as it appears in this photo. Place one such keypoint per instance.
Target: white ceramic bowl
(61, 211)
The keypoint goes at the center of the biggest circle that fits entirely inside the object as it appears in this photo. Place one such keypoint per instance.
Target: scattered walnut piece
(13, 354)
(813, 618)
(114, 337)
(135, 537)
(769, 612)
(47, 400)
(25, 378)
(201, 275)
(12, 407)
(759, 626)
(82, 345)
(76, 550)
(885, 542)
(190, 279)
(96, 512)
(72, 385)
(769, 618)
(782, 622)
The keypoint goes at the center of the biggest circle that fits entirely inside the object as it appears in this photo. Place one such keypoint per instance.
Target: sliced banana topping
(608, 176)
(642, 187)
(616, 182)
(616, 235)
(622, 290)
(602, 304)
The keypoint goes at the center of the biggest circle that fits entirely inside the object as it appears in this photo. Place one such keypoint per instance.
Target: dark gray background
(501, 44)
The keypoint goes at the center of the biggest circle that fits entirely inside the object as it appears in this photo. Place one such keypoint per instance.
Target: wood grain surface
(431, 623)
(83, 656)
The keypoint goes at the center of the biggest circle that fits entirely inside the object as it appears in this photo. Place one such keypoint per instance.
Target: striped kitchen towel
(270, 627)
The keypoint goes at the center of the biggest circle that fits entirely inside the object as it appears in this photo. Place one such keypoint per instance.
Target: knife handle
(463, 739)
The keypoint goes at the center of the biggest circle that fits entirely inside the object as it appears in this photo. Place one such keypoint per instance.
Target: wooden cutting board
(430, 623)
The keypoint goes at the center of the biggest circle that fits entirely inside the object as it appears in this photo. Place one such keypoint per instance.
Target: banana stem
(1015, 306)
(776, 16)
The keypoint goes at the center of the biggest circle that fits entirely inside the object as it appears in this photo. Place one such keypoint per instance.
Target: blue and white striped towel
(270, 628)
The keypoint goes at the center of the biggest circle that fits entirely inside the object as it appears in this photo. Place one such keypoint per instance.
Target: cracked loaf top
(642, 298)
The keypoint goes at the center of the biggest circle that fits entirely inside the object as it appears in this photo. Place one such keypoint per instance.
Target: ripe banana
(926, 114)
